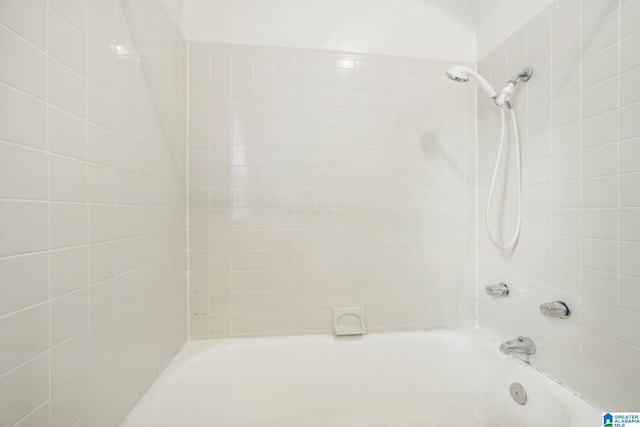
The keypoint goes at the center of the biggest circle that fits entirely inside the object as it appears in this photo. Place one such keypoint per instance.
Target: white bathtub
(412, 379)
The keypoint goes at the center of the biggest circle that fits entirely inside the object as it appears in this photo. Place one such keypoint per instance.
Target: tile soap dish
(349, 321)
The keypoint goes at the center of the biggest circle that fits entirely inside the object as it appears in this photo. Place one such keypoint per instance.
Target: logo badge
(621, 419)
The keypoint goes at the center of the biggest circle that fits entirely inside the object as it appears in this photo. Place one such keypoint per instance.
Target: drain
(518, 393)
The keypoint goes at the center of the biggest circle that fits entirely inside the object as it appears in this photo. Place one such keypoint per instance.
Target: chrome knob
(497, 290)
(555, 309)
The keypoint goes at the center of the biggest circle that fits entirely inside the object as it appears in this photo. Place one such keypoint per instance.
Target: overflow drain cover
(518, 393)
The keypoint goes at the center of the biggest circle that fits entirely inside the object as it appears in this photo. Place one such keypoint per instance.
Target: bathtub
(408, 379)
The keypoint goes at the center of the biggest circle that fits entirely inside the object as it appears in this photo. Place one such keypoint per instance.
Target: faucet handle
(555, 309)
(497, 290)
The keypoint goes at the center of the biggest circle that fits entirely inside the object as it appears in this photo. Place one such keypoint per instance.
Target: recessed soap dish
(349, 321)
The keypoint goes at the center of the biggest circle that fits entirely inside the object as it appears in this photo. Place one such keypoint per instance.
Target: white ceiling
(497, 19)
(462, 30)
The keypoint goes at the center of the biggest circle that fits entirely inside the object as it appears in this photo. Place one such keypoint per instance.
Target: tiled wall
(320, 179)
(580, 243)
(92, 209)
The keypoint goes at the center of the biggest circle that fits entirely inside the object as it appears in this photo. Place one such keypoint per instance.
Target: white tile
(566, 110)
(629, 196)
(629, 125)
(630, 87)
(600, 98)
(100, 31)
(69, 315)
(67, 134)
(599, 254)
(566, 55)
(102, 223)
(24, 227)
(74, 11)
(128, 321)
(101, 146)
(14, 107)
(70, 403)
(540, 96)
(126, 187)
(27, 18)
(109, 8)
(103, 382)
(66, 44)
(566, 82)
(600, 161)
(67, 89)
(23, 172)
(566, 27)
(24, 389)
(599, 192)
(68, 179)
(628, 330)
(600, 285)
(596, 347)
(69, 270)
(629, 290)
(27, 69)
(592, 12)
(69, 224)
(600, 223)
(103, 339)
(566, 194)
(628, 49)
(39, 417)
(566, 166)
(566, 138)
(628, 259)
(23, 281)
(599, 36)
(102, 300)
(68, 361)
(101, 70)
(600, 317)
(125, 88)
(102, 184)
(600, 67)
(100, 107)
(566, 250)
(628, 361)
(600, 129)
(199, 69)
(23, 335)
(630, 225)
(628, 21)
(566, 222)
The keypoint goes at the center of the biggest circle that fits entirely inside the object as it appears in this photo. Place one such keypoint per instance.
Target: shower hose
(516, 233)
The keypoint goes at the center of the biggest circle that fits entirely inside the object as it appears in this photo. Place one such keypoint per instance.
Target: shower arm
(502, 99)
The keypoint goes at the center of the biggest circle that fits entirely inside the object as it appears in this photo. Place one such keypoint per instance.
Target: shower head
(459, 73)
(456, 74)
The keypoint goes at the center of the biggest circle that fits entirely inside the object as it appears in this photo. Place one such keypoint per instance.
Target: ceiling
(462, 30)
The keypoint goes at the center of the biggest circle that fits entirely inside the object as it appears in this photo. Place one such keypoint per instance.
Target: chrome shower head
(459, 73)
(455, 75)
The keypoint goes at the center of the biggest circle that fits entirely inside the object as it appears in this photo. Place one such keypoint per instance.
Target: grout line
(619, 236)
(49, 258)
(87, 197)
(187, 188)
(580, 208)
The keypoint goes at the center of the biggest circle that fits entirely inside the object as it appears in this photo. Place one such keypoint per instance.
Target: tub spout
(520, 345)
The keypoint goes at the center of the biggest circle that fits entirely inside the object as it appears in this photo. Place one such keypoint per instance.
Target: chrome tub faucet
(520, 345)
